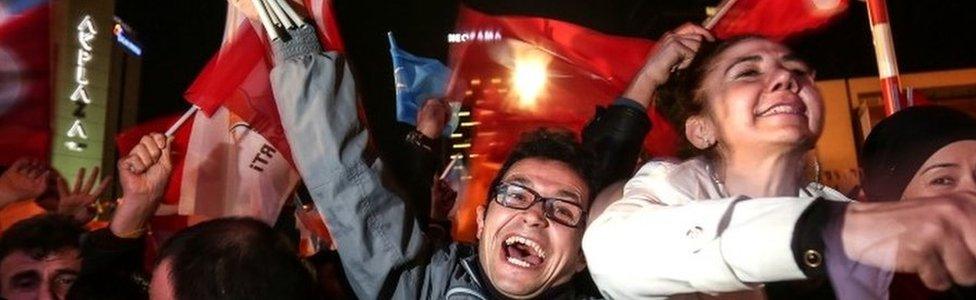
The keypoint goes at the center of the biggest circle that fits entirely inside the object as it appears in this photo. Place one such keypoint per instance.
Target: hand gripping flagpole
(884, 50)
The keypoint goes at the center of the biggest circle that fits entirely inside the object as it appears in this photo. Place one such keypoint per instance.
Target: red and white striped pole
(884, 50)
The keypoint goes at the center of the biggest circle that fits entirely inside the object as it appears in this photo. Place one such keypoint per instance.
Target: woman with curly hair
(740, 213)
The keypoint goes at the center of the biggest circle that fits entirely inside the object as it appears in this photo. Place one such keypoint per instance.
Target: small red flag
(777, 19)
(237, 77)
(583, 68)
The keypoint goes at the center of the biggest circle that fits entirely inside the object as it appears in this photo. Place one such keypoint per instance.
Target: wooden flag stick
(723, 8)
(265, 19)
(176, 125)
(297, 19)
(280, 14)
(271, 14)
(450, 165)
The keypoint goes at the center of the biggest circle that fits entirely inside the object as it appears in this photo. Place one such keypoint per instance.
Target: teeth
(532, 244)
(783, 109)
(518, 262)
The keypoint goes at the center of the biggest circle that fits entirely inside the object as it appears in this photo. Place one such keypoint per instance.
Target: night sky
(178, 38)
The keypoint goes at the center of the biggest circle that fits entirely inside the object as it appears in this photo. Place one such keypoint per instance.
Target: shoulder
(670, 182)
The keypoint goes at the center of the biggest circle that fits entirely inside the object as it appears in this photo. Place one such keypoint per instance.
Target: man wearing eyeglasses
(529, 231)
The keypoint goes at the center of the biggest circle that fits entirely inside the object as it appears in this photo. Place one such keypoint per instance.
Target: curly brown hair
(682, 97)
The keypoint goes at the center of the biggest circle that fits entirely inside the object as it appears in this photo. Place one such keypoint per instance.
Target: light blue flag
(418, 79)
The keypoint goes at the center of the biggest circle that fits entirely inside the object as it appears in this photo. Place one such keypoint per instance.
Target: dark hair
(901, 143)
(550, 144)
(41, 235)
(682, 97)
(235, 258)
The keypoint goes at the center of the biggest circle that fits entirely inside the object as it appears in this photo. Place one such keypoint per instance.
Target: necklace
(722, 193)
(819, 187)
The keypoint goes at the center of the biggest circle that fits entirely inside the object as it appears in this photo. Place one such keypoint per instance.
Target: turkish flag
(25, 89)
(580, 69)
(237, 77)
(777, 19)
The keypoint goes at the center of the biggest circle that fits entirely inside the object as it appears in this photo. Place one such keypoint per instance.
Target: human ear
(700, 132)
(480, 218)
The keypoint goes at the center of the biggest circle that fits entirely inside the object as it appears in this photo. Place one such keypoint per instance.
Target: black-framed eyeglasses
(519, 197)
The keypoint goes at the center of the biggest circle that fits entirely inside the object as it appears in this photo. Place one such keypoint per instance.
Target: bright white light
(529, 79)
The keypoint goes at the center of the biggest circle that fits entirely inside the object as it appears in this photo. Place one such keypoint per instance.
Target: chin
(801, 140)
(517, 290)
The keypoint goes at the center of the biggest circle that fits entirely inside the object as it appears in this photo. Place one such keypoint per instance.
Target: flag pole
(176, 125)
(884, 50)
(723, 8)
(291, 13)
(447, 170)
(277, 10)
(265, 19)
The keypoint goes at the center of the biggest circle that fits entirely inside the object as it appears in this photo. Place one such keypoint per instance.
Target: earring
(709, 142)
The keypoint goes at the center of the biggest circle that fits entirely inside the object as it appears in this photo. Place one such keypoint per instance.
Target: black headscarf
(899, 145)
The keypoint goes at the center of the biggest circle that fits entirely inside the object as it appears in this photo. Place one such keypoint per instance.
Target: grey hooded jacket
(384, 252)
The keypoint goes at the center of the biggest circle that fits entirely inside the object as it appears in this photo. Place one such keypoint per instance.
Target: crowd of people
(566, 217)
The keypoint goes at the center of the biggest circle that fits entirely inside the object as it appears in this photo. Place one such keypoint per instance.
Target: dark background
(178, 38)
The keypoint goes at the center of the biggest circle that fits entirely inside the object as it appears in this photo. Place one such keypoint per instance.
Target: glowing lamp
(529, 78)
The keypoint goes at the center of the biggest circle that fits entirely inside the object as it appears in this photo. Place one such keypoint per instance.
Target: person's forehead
(548, 177)
(959, 153)
(19, 261)
(752, 47)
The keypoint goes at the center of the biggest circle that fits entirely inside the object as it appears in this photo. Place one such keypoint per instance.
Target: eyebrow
(569, 194)
(936, 166)
(751, 58)
(528, 183)
(65, 272)
(793, 58)
(30, 274)
(520, 180)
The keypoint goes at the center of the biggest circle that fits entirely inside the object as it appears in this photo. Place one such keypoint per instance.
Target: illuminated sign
(474, 35)
(80, 96)
(125, 41)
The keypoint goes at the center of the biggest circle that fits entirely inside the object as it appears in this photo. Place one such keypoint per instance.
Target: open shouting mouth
(523, 252)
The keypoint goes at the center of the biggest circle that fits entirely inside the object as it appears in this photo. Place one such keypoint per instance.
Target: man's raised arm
(379, 243)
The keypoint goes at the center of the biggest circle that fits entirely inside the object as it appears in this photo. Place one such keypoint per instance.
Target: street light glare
(529, 78)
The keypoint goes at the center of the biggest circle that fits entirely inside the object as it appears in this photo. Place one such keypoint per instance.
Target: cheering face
(758, 94)
(949, 170)
(25, 277)
(523, 252)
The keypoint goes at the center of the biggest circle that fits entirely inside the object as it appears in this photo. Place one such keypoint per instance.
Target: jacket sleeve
(655, 242)
(104, 254)
(614, 136)
(380, 245)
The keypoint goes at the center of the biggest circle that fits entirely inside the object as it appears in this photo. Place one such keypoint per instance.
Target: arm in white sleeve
(655, 244)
